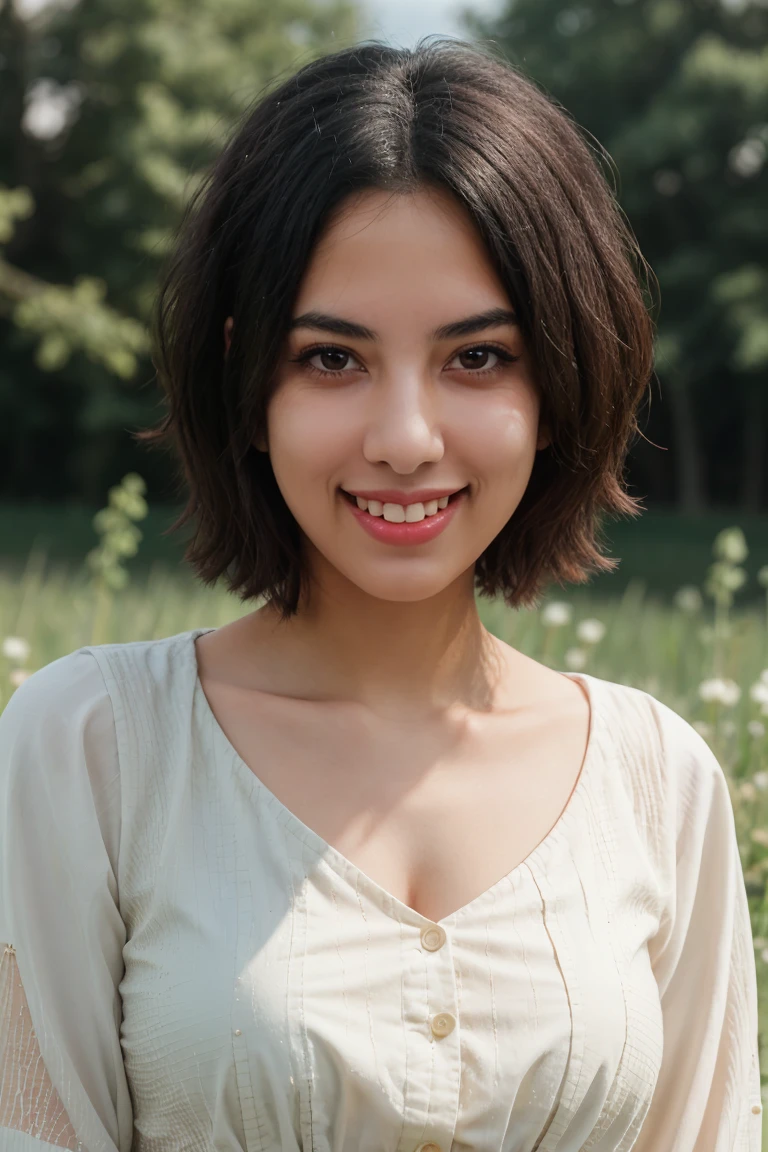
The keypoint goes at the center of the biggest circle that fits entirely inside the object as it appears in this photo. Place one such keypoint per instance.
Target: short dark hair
(447, 114)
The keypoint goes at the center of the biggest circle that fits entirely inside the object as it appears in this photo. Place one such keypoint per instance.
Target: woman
(351, 873)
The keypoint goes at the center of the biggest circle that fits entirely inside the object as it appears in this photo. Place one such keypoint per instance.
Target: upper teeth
(399, 513)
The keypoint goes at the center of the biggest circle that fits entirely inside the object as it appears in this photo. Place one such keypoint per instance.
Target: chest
(433, 817)
(275, 999)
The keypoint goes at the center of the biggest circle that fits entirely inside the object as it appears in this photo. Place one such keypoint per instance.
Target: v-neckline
(342, 864)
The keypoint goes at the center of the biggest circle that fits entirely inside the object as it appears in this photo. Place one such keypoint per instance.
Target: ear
(545, 438)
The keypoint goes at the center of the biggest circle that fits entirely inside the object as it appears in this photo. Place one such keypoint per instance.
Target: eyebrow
(492, 318)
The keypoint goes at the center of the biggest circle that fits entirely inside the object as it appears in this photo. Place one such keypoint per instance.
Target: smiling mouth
(353, 499)
(379, 515)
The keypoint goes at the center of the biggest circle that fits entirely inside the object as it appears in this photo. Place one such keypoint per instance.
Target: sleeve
(62, 1077)
(707, 1097)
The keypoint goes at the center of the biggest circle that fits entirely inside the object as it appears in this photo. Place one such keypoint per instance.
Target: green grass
(647, 643)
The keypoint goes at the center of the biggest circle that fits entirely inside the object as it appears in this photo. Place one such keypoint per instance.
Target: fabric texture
(190, 967)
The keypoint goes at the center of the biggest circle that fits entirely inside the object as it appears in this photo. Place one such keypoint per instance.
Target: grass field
(710, 667)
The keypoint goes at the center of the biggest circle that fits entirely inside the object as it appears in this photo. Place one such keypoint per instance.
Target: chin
(405, 590)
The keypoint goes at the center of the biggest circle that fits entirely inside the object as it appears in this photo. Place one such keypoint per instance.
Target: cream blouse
(190, 967)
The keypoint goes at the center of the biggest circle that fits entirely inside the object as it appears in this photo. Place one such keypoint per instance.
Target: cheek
(499, 435)
(308, 445)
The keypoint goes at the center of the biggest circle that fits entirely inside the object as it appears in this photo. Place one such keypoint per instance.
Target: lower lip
(418, 533)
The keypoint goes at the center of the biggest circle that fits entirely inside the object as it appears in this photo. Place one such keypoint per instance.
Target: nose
(403, 426)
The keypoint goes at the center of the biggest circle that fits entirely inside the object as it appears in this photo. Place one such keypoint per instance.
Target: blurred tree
(677, 92)
(109, 113)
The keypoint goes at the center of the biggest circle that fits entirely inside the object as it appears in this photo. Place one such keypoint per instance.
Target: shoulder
(58, 729)
(76, 735)
(661, 747)
(144, 661)
(59, 763)
(659, 724)
(73, 710)
(67, 691)
(80, 681)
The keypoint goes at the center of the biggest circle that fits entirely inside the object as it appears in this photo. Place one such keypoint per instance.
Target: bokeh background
(110, 111)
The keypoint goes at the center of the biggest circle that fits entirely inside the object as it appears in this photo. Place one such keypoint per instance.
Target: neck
(417, 659)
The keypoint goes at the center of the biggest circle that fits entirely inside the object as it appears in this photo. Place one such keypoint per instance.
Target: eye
(475, 359)
(332, 360)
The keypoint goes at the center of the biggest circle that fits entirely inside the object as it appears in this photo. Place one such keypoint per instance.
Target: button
(428, 1147)
(757, 1109)
(238, 1032)
(443, 1024)
(432, 937)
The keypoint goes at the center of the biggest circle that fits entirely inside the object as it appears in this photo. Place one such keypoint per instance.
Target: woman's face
(373, 397)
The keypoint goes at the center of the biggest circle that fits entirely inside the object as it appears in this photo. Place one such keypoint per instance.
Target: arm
(62, 1078)
(707, 1097)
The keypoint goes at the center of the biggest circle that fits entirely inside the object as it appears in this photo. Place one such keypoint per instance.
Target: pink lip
(418, 533)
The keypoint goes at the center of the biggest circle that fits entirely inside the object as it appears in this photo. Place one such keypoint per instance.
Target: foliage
(120, 538)
(15, 204)
(66, 318)
(70, 318)
(109, 115)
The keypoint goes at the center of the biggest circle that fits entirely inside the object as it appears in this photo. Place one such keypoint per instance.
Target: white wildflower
(731, 545)
(747, 790)
(689, 599)
(721, 691)
(764, 955)
(18, 676)
(760, 836)
(557, 613)
(759, 692)
(16, 649)
(756, 729)
(728, 728)
(575, 658)
(760, 780)
(731, 693)
(729, 577)
(590, 631)
(764, 675)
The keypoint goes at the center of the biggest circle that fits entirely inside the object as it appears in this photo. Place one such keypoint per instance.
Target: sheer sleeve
(28, 1101)
(707, 1097)
(62, 1078)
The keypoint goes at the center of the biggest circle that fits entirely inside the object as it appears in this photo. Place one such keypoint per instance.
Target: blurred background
(109, 112)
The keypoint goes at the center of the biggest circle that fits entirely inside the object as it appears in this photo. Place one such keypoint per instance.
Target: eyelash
(304, 357)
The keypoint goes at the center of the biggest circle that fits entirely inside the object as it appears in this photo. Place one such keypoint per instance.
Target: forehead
(420, 244)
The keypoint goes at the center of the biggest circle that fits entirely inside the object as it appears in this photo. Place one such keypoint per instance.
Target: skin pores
(404, 410)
